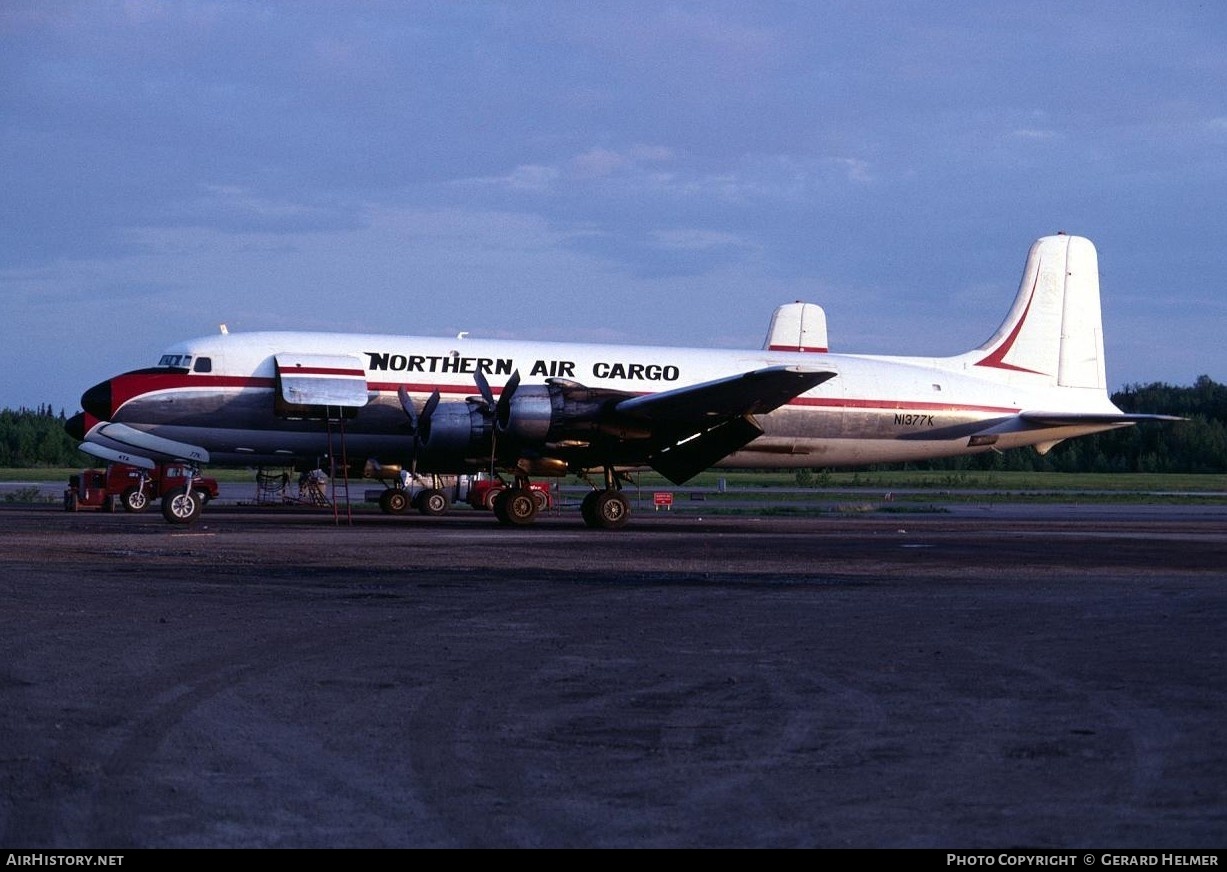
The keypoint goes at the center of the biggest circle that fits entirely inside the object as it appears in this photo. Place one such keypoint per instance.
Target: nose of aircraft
(75, 426)
(97, 401)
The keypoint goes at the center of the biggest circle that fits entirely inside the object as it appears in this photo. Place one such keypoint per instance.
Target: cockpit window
(176, 360)
(203, 364)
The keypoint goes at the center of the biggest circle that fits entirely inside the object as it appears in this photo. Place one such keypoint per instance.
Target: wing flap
(683, 459)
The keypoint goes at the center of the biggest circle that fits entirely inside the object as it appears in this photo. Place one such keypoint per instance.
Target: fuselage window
(176, 360)
(203, 364)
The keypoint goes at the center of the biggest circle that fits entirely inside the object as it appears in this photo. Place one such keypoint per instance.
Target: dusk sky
(638, 172)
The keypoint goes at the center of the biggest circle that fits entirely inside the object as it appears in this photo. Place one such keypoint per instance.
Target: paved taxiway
(984, 679)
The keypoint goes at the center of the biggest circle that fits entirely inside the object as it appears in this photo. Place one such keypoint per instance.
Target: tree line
(36, 437)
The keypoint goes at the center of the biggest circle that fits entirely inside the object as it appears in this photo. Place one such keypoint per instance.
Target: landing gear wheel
(433, 502)
(180, 507)
(134, 499)
(585, 507)
(393, 501)
(542, 499)
(515, 506)
(608, 510)
(491, 496)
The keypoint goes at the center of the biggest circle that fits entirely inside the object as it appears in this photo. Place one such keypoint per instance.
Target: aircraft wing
(749, 393)
(693, 427)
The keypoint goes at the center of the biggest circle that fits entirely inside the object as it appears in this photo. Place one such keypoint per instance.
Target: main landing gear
(516, 506)
(607, 509)
(602, 509)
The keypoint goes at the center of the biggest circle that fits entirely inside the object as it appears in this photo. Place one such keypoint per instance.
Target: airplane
(531, 409)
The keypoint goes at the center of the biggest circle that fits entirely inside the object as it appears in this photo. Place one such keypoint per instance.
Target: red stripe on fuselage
(895, 405)
(130, 386)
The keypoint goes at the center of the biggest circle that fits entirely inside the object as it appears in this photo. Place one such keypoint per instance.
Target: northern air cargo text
(381, 361)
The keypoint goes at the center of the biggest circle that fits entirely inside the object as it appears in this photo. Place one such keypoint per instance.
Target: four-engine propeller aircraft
(528, 409)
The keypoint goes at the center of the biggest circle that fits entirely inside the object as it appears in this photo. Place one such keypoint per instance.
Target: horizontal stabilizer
(1076, 419)
(110, 455)
(750, 393)
(128, 439)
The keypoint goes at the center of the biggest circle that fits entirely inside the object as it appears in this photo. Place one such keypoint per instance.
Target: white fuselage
(876, 409)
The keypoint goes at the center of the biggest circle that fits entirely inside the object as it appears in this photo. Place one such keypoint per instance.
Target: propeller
(501, 410)
(419, 425)
(498, 411)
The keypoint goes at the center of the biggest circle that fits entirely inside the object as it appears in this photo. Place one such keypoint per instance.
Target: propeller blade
(419, 425)
(503, 409)
(432, 403)
(483, 385)
(407, 405)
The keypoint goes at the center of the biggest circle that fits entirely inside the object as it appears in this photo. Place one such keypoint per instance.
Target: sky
(629, 172)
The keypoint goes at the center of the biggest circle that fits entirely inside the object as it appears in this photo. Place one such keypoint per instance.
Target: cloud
(1035, 134)
(598, 162)
(697, 239)
(657, 171)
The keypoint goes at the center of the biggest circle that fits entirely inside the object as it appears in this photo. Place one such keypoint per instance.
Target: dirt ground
(274, 679)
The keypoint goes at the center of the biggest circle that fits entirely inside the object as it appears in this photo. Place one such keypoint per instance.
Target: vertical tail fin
(1054, 331)
(798, 327)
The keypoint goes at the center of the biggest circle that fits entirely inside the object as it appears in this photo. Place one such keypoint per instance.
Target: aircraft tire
(180, 507)
(134, 499)
(586, 508)
(515, 507)
(393, 502)
(610, 510)
(433, 502)
(542, 499)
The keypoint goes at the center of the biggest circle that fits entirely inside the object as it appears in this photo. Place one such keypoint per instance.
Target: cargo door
(320, 386)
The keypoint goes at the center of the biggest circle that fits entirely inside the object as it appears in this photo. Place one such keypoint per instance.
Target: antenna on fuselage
(225, 330)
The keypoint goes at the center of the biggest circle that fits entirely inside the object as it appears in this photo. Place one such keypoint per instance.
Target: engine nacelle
(458, 430)
(552, 412)
(530, 415)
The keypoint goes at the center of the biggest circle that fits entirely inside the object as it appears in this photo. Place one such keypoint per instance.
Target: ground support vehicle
(484, 492)
(134, 488)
